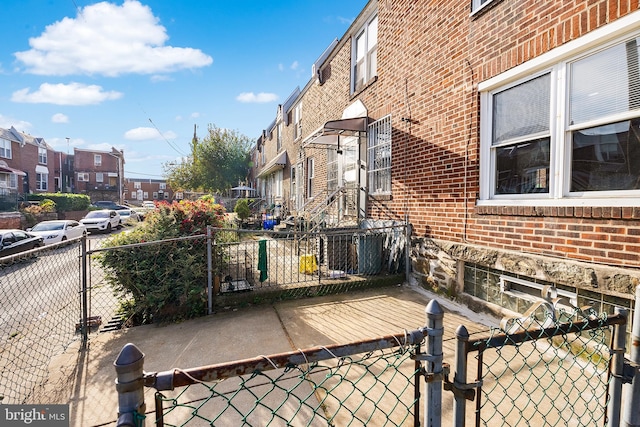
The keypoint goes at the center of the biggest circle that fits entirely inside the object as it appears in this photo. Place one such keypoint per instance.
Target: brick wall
(431, 56)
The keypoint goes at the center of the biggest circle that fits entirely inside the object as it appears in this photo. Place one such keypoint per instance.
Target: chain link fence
(370, 382)
(547, 368)
(39, 317)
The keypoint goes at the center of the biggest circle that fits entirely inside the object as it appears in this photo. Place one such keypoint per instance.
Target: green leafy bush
(242, 209)
(162, 273)
(64, 202)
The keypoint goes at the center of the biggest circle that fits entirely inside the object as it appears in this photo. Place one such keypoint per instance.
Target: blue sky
(138, 75)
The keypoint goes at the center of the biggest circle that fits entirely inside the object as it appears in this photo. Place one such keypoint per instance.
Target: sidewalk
(89, 376)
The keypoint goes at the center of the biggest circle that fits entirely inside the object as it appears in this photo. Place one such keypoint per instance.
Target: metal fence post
(130, 386)
(631, 415)
(84, 297)
(460, 403)
(617, 370)
(433, 365)
(209, 272)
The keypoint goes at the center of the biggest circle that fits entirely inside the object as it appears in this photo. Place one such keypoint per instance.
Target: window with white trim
(163, 186)
(97, 159)
(137, 185)
(133, 195)
(166, 195)
(83, 177)
(8, 180)
(279, 137)
(364, 62)
(311, 171)
(41, 181)
(379, 156)
(297, 121)
(5, 148)
(477, 5)
(42, 155)
(145, 195)
(155, 194)
(99, 177)
(570, 131)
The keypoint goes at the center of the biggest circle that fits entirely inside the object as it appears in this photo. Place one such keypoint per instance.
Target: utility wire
(163, 137)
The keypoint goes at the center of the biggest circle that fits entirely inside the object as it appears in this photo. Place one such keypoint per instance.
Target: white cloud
(147, 134)
(260, 98)
(61, 144)
(59, 118)
(157, 78)
(294, 65)
(20, 125)
(104, 146)
(65, 94)
(195, 115)
(110, 40)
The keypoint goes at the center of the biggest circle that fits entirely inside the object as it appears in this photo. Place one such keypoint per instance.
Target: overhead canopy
(330, 132)
(279, 162)
(242, 188)
(6, 169)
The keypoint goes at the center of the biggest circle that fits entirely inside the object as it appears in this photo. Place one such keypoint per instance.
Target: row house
(138, 190)
(506, 133)
(99, 174)
(28, 164)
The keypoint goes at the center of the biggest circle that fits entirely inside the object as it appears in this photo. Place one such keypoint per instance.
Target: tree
(216, 163)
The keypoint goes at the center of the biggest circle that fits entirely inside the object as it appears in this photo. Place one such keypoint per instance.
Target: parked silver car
(103, 220)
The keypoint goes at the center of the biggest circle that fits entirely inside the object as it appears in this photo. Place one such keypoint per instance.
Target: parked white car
(103, 220)
(128, 216)
(58, 231)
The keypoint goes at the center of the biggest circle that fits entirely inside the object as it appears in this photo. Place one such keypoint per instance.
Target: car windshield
(98, 214)
(48, 226)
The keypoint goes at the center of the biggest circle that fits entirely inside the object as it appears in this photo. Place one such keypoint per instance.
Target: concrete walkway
(89, 376)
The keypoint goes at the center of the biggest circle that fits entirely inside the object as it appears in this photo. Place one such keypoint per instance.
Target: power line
(163, 137)
(145, 174)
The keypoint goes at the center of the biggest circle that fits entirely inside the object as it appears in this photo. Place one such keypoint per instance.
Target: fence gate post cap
(129, 358)
(433, 309)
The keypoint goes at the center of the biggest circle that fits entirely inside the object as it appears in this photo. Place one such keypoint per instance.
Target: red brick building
(99, 174)
(138, 190)
(505, 133)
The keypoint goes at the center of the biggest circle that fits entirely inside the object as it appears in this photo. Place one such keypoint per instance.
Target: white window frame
(99, 177)
(311, 172)
(297, 121)
(163, 186)
(145, 195)
(556, 62)
(370, 55)
(137, 185)
(166, 195)
(133, 195)
(97, 159)
(379, 155)
(279, 137)
(155, 195)
(42, 181)
(5, 148)
(83, 177)
(478, 5)
(42, 155)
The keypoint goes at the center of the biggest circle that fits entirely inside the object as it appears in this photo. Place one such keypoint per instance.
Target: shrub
(64, 202)
(163, 273)
(242, 209)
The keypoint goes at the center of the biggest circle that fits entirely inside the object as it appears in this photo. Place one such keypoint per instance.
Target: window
(146, 195)
(42, 155)
(179, 195)
(163, 186)
(279, 137)
(476, 5)
(166, 195)
(568, 133)
(41, 181)
(133, 195)
(5, 148)
(364, 61)
(379, 156)
(97, 159)
(99, 177)
(155, 194)
(8, 180)
(311, 170)
(297, 121)
(137, 185)
(83, 177)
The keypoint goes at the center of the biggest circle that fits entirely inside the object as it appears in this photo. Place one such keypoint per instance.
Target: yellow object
(308, 264)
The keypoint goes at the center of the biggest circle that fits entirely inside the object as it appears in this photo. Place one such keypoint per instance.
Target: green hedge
(65, 202)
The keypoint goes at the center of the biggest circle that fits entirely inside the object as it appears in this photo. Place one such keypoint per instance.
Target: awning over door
(6, 169)
(332, 130)
(279, 162)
